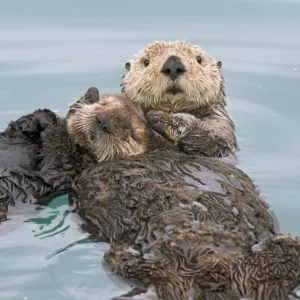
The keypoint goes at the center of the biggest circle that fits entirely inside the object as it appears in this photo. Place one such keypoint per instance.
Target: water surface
(51, 52)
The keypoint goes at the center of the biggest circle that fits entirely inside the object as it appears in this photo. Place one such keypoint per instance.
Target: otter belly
(127, 191)
(166, 213)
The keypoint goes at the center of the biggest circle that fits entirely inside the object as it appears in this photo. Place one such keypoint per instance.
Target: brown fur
(184, 225)
(170, 232)
(127, 133)
(189, 110)
(42, 153)
(40, 160)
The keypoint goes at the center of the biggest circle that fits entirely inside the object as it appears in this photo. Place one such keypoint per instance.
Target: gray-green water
(52, 51)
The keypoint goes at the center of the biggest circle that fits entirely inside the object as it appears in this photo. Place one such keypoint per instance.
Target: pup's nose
(105, 124)
(173, 67)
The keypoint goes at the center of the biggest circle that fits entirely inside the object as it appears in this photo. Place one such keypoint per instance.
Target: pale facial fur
(181, 88)
(201, 85)
(113, 127)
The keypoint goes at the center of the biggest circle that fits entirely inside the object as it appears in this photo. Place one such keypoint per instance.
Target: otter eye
(146, 62)
(127, 66)
(134, 136)
(199, 59)
(219, 64)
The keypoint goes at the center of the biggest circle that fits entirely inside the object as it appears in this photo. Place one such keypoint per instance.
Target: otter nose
(173, 67)
(104, 124)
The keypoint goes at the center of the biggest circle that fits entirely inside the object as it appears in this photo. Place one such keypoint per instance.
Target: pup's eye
(134, 136)
(146, 62)
(199, 59)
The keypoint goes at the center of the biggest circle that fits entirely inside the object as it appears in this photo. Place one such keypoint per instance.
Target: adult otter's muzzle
(173, 67)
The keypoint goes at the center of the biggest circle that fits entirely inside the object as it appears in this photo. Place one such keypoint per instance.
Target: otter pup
(42, 153)
(112, 127)
(182, 89)
(183, 226)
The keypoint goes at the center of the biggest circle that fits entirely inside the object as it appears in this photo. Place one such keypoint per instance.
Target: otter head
(173, 76)
(113, 127)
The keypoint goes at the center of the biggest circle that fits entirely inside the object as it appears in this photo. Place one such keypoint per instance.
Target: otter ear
(92, 95)
(127, 66)
(219, 64)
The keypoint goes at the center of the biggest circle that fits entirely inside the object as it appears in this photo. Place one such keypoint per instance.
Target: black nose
(173, 67)
(104, 124)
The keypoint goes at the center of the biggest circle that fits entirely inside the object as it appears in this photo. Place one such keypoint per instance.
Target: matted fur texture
(189, 109)
(39, 160)
(186, 227)
(126, 133)
(42, 153)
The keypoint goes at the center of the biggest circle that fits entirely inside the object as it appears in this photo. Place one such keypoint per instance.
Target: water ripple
(51, 53)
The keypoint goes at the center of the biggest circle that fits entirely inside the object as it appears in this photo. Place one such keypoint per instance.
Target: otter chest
(174, 106)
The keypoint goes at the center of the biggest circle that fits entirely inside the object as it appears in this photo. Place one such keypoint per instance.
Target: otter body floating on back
(182, 89)
(184, 226)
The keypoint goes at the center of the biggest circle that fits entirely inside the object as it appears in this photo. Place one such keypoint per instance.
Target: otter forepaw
(155, 119)
(32, 124)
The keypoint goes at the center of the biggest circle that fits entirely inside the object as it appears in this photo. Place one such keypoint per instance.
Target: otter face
(113, 127)
(173, 76)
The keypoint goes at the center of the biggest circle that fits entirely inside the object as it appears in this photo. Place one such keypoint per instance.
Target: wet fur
(42, 153)
(128, 132)
(186, 227)
(39, 160)
(195, 118)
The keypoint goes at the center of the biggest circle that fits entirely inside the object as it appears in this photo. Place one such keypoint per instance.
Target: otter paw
(156, 122)
(41, 120)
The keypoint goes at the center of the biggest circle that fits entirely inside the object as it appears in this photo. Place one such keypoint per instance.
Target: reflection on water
(49, 257)
(51, 52)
